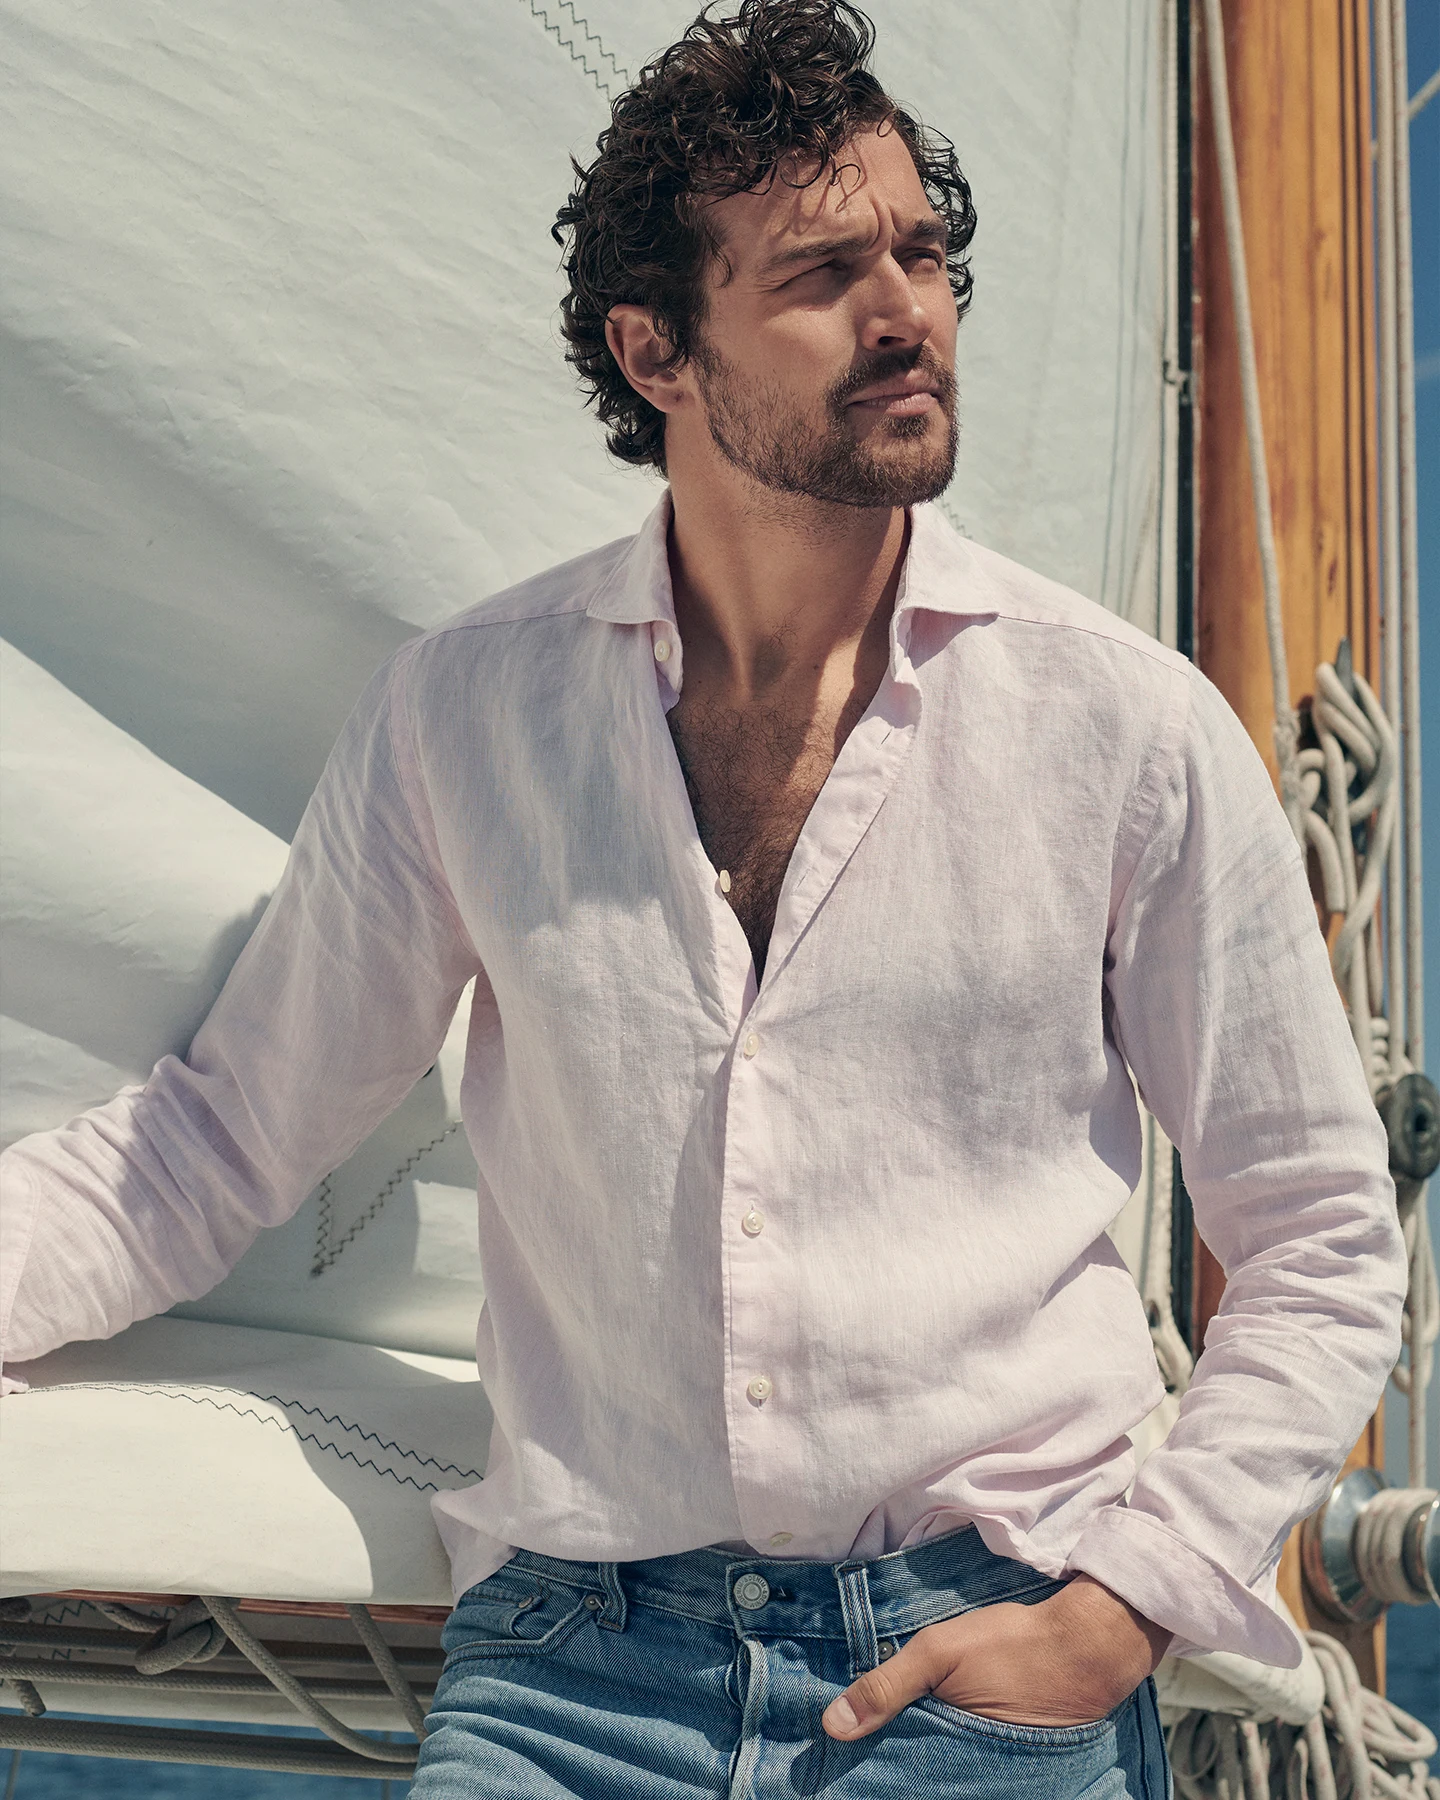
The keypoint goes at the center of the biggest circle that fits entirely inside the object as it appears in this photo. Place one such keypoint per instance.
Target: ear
(641, 350)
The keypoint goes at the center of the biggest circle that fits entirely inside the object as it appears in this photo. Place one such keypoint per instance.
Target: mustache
(885, 367)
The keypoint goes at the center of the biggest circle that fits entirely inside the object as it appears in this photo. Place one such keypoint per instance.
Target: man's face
(826, 361)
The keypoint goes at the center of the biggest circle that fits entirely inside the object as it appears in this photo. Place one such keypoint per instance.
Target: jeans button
(887, 1648)
(751, 1592)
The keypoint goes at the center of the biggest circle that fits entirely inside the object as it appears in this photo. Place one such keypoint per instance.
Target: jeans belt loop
(859, 1615)
(613, 1616)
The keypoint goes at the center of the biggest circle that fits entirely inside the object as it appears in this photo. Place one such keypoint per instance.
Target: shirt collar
(940, 574)
(637, 590)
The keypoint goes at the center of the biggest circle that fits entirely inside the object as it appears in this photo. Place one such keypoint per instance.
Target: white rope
(1172, 1353)
(391, 1674)
(1356, 742)
(1287, 724)
(227, 1616)
(1422, 97)
(1357, 1747)
(1419, 1323)
(1408, 573)
(1378, 1544)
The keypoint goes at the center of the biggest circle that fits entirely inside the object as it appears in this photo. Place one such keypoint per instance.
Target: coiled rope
(1356, 741)
(1357, 746)
(1358, 1747)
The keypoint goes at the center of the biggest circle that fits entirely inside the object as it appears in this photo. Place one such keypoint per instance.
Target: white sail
(284, 384)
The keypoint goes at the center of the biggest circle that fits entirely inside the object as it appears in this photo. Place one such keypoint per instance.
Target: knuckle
(872, 1691)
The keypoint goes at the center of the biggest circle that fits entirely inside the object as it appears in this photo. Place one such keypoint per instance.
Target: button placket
(754, 1280)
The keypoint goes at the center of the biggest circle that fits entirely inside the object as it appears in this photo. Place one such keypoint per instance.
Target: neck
(767, 583)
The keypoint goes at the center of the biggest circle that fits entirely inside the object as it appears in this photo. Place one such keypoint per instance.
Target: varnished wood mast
(1300, 104)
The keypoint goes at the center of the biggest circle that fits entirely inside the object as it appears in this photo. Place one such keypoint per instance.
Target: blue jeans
(706, 1674)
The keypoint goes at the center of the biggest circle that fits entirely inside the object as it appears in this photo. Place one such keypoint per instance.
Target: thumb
(876, 1697)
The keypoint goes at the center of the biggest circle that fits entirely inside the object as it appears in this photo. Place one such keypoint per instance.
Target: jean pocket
(516, 1613)
(1002, 1731)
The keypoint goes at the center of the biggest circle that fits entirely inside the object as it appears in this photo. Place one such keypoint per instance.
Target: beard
(755, 428)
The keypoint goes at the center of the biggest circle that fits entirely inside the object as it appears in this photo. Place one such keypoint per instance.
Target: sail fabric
(283, 384)
(236, 1461)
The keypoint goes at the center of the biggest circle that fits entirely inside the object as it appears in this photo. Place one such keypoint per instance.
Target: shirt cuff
(1173, 1584)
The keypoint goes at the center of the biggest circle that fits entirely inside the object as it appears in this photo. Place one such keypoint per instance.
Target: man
(820, 875)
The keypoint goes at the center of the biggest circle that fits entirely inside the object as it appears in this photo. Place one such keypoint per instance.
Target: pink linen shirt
(816, 1264)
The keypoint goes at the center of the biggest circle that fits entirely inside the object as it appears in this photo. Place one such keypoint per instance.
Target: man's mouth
(905, 397)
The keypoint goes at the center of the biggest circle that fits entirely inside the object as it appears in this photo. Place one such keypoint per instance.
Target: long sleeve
(336, 1006)
(1224, 1007)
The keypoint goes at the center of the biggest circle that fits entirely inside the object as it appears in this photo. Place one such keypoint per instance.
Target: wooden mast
(1300, 105)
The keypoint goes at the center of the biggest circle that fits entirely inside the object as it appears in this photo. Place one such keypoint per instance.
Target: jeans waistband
(887, 1596)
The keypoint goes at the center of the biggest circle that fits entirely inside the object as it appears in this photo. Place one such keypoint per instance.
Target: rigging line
(383, 1658)
(1287, 724)
(1387, 135)
(1120, 322)
(1409, 584)
(1418, 101)
(226, 1616)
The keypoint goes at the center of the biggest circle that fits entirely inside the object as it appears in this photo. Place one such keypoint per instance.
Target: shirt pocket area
(516, 1613)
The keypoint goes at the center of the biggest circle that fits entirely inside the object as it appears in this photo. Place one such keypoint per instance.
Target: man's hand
(1066, 1661)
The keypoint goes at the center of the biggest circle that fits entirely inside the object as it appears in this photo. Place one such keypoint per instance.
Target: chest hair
(752, 776)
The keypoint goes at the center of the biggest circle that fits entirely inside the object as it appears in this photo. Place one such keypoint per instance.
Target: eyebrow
(931, 229)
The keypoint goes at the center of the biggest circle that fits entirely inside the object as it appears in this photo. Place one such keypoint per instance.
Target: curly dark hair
(774, 90)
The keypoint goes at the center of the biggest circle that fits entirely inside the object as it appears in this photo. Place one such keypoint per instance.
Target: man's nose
(897, 315)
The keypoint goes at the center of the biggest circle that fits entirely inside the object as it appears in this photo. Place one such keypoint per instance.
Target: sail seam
(245, 1412)
(593, 42)
(327, 1253)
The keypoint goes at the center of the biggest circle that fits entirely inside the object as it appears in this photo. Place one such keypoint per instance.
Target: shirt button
(662, 649)
(760, 1388)
(779, 1538)
(724, 881)
(751, 1045)
(753, 1223)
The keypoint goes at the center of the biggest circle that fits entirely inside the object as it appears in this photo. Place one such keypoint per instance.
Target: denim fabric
(688, 1676)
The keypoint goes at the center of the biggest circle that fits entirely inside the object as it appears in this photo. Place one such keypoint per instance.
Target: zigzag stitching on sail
(326, 1253)
(541, 15)
(245, 1412)
(57, 1615)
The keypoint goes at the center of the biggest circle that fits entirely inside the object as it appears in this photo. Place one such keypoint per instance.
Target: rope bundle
(1358, 1747)
(1356, 741)
(1357, 745)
